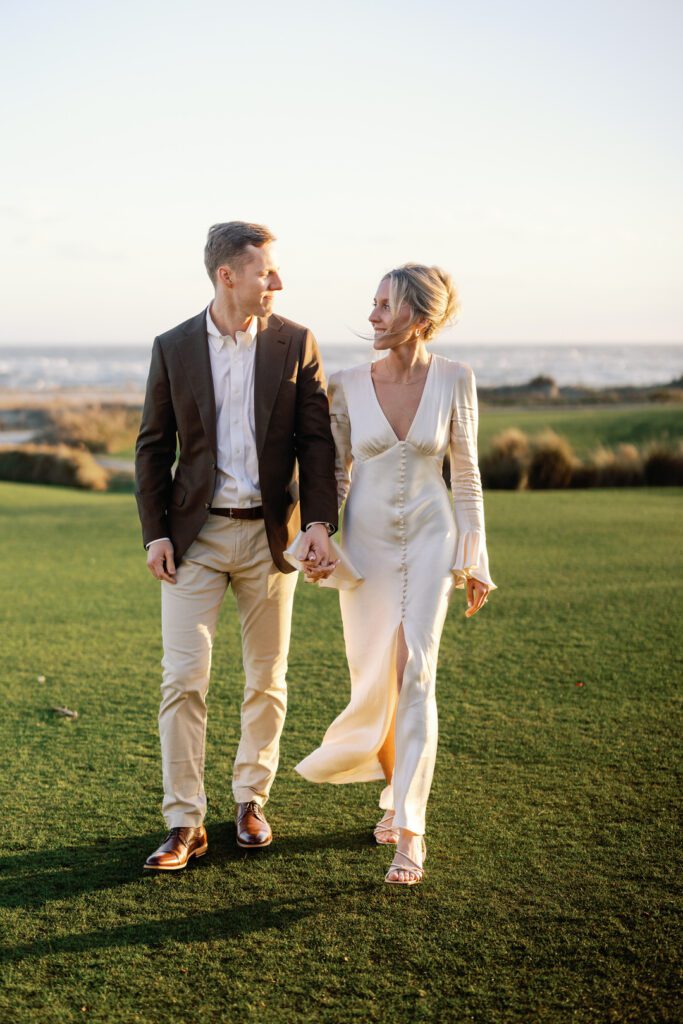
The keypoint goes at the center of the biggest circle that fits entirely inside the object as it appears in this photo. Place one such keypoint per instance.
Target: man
(242, 393)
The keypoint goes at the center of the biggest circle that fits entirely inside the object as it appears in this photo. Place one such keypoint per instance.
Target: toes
(402, 876)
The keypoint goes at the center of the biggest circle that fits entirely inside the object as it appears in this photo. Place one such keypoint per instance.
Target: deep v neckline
(397, 439)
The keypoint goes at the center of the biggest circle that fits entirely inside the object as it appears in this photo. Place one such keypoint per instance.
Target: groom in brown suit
(240, 394)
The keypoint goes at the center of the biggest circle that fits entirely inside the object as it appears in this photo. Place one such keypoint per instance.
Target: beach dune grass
(101, 428)
(553, 849)
(664, 464)
(548, 462)
(52, 464)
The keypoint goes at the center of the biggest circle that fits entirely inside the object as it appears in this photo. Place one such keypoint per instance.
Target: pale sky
(534, 149)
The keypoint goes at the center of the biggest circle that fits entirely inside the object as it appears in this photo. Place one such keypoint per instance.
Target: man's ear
(226, 276)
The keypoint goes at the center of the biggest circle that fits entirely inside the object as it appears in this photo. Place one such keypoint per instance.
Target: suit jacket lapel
(272, 345)
(194, 355)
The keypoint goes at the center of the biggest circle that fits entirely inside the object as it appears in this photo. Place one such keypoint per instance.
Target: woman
(393, 421)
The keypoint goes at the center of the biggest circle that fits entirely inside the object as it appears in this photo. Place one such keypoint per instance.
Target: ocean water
(124, 368)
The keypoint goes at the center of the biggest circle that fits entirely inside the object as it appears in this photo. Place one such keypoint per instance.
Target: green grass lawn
(550, 887)
(586, 428)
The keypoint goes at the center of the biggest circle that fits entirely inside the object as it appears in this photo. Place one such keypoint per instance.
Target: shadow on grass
(30, 880)
(233, 921)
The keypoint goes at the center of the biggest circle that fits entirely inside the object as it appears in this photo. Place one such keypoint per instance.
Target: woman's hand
(313, 573)
(477, 596)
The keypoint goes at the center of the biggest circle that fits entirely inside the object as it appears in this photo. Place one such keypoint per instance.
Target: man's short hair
(227, 243)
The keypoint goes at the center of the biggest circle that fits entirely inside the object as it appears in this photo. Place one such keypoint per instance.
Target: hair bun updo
(451, 299)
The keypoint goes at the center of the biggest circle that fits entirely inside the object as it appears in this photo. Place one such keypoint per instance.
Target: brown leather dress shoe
(179, 846)
(253, 831)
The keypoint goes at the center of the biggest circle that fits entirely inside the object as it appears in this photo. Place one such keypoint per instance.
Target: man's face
(256, 280)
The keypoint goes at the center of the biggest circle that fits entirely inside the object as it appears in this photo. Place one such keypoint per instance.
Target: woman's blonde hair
(429, 292)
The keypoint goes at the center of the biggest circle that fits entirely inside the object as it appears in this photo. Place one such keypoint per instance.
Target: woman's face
(381, 318)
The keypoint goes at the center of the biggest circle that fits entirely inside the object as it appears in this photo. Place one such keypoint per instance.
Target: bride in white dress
(393, 421)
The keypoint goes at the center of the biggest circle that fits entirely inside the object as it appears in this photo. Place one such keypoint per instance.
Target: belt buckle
(231, 513)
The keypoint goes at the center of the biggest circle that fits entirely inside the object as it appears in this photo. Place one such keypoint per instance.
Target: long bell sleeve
(471, 558)
(341, 432)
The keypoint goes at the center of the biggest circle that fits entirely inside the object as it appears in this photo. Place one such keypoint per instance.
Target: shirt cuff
(147, 546)
(328, 526)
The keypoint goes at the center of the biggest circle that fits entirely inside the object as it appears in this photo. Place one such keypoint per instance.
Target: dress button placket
(402, 529)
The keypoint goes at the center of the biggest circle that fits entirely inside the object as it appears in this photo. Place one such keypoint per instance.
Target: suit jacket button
(207, 504)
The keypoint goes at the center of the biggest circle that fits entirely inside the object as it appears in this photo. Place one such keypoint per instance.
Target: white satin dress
(413, 546)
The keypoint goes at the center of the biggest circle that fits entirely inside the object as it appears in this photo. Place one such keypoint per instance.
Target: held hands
(160, 561)
(477, 596)
(315, 553)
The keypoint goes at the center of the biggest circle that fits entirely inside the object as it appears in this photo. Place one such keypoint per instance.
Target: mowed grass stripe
(550, 888)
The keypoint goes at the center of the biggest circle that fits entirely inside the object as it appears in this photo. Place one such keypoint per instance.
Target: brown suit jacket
(292, 430)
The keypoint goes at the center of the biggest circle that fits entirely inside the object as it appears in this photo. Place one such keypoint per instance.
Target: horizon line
(459, 341)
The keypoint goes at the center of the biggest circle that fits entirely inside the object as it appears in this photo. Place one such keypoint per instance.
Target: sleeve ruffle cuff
(471, 559)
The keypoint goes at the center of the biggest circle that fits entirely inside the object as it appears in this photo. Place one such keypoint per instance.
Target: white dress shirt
(232, 369)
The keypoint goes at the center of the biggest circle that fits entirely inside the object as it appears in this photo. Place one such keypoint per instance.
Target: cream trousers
(226, 552)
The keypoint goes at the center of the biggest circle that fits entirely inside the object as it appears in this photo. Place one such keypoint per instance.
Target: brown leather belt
(239, 513)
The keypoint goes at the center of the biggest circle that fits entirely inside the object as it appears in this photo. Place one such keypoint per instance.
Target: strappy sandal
(408, 866)
(384, 832)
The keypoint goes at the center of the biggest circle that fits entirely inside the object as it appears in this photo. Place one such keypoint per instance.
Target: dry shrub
(667, 394)
(99, 428)
(664, 465)
(504, 466)
(548, 461)
(64, 466)
(620, 467)
(584, 475)
(552, 463)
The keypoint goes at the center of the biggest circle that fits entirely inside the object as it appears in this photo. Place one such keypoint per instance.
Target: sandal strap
(381, 829)
(410, 865)
(386, 825)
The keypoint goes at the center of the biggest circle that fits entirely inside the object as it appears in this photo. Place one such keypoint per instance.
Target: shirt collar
(217, 340)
